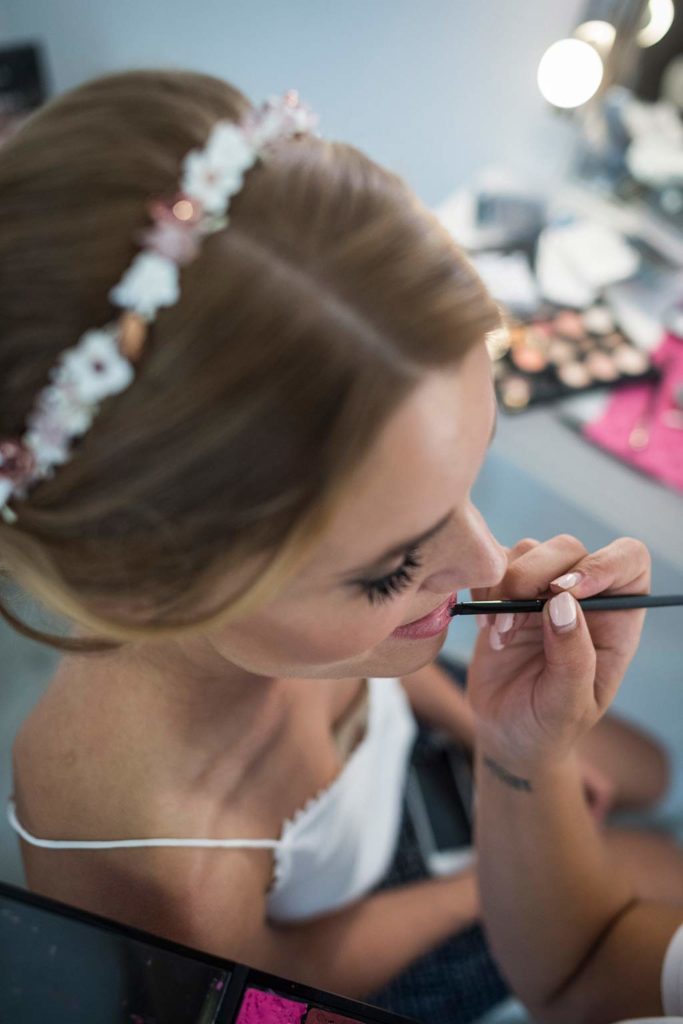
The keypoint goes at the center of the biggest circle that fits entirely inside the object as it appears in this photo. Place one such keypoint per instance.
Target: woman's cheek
(316, 635)
(347, 636)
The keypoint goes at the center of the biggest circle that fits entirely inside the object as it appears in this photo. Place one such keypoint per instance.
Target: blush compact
(560, 352)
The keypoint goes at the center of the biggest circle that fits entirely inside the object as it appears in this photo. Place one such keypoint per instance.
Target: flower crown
(102, 363)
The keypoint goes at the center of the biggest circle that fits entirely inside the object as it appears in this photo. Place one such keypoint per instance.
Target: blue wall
(435, 89)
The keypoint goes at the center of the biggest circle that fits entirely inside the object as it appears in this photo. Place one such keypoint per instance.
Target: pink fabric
(663, 456)
(259, 1007)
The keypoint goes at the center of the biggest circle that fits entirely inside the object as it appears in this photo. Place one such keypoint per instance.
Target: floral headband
(102, 363)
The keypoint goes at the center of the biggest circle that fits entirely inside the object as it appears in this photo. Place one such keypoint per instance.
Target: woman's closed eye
(386, 587)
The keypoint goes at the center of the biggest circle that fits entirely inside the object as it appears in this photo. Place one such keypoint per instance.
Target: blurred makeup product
(263, 1007)
(574, 375)
(630, 360)
(639, 435)
(642, 424)
(569, 324)
(529, 358)
(613, 340)
(598, 320)
(562, 352)
(515, 392)
(601, 366)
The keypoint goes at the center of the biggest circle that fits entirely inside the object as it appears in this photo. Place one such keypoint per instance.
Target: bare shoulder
(74, 780)
(95, 762)
(62, 752)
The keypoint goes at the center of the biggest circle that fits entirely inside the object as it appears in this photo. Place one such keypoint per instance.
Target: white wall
(435, 89)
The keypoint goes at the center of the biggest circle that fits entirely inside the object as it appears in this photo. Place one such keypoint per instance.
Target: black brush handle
(613, 603)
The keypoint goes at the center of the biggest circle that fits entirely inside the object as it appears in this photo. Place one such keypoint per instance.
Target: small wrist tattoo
(514, 781)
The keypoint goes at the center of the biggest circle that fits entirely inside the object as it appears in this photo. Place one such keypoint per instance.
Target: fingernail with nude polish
(570, 579)
(496, 641)
(563, 612)
(482, 621)
(505, 621)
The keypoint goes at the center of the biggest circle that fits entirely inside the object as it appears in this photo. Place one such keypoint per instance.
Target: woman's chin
(401, 656)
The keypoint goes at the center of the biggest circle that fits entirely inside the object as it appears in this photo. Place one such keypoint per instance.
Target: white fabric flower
(150, 281)
(215, 173)
(59, 417)
(94, 369)
(48, 439)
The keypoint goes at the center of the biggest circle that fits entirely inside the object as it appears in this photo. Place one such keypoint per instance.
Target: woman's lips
(428, 625)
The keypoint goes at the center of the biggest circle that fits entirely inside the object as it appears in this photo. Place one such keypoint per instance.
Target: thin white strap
(95, 844)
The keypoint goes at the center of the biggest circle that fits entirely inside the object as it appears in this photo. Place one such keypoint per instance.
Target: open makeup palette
(563, 352)
(65, 966)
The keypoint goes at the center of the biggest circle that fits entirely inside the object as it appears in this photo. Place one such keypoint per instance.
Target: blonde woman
(244, 396)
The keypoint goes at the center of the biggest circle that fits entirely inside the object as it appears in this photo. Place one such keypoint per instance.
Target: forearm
(568, 932)
(359, 949)
(549, 895)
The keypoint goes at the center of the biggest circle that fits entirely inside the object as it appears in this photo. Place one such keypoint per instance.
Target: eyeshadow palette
(66, 966)
(563, 352)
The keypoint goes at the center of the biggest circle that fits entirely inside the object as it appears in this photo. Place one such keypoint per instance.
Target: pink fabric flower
(177, 229)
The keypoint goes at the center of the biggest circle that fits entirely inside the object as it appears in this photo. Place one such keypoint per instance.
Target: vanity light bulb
(660, 16)
(569, 73)
(600, 34)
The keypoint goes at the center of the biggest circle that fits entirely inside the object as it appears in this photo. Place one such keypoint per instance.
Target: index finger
(622, 567)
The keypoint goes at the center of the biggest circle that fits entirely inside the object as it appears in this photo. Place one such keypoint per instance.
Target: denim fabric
(457, 981)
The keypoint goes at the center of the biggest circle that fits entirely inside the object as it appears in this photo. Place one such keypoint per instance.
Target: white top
(672, 977)
(672, 985)
(341, 843)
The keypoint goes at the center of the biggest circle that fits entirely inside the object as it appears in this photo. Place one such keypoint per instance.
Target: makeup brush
(613, 603)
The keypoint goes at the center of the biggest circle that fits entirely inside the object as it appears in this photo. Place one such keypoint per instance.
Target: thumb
(569, 652)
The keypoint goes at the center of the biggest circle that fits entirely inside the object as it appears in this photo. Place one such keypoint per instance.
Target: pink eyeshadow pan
(529, 359)
(259, 1007)
(630, 360)
(569, 324)
(574, 375)
(601, 366)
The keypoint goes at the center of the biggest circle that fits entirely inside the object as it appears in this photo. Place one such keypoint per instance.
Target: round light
(660, 16)
(599, 34)
(569, 73)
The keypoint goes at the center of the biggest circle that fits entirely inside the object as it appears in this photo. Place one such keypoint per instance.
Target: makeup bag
(643, 423)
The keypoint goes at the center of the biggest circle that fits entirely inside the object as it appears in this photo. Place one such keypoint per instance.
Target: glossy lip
(429, 625)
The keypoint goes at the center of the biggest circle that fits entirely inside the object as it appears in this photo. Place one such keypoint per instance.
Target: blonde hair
(300, 328)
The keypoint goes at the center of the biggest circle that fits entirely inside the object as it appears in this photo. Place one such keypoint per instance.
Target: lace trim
(291, 824)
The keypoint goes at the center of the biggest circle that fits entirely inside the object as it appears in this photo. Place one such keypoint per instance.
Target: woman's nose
(472, 557)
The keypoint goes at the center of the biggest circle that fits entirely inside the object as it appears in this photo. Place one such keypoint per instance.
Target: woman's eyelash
(386, 587)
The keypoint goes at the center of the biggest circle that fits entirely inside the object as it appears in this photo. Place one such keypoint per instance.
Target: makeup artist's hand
(538, 686)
